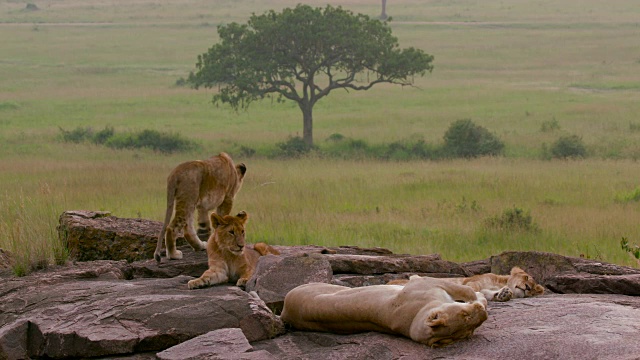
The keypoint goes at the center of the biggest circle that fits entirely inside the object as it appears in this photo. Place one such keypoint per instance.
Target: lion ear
(242, 215)
(241, 169)
(217, 220)
(515, 270)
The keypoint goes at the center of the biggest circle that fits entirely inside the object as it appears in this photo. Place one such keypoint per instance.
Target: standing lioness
(205, 185)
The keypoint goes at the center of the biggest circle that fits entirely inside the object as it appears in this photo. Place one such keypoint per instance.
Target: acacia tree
(302, 54)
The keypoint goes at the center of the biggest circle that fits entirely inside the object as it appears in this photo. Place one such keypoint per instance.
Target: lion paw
(177, 255)
(242, 283)
(196, 284)
(505, 294)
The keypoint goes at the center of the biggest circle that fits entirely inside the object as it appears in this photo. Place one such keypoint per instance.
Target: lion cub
(229, 259)
(518, 284)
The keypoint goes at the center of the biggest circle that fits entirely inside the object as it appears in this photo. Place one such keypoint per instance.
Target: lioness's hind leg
(170, 243)
(191, 236)
(504, 294)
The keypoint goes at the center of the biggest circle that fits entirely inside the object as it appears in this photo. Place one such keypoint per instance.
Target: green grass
(508, 66)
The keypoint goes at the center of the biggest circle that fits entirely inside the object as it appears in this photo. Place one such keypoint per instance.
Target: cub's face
(523, 284)
(229, 231)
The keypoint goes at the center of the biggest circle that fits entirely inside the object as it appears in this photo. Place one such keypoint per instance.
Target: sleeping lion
(494, 287)
(427, 310)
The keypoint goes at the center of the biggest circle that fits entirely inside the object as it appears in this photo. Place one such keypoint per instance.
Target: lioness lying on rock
(229, 259)
(494, 287)
(431, 311)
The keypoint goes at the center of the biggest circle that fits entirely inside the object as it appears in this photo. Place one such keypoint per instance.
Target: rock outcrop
(569, 275)
(141, 309)
(96, 235)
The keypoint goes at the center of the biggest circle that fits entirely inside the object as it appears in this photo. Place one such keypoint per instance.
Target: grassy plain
(509, 66)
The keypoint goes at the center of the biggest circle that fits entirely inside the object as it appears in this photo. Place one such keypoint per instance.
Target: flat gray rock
(91, 318)
(275, 276)
(223, 344)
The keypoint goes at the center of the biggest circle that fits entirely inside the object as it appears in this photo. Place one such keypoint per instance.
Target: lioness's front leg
(210, 277)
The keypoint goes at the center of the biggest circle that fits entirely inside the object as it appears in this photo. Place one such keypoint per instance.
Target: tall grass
(422, 207)
(513, 68)
(28, 229)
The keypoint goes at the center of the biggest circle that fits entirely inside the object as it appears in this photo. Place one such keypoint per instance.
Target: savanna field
(530, 72)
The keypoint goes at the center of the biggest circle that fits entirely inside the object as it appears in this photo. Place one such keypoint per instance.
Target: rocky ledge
(107, 309)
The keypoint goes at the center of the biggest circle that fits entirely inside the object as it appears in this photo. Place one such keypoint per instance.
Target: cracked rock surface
(100, 317)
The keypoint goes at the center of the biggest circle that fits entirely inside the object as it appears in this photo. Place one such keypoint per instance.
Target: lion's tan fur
(229, 259)
(428, 310)
(518, 284)
(202, 185)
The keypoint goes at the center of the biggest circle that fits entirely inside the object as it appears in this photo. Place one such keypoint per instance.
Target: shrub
(514, 219)
(336, 137)
(347, 148)
(633, 196)
(77, 135)
(8, 105)
(182, 82)
(550, 125)
(408, 150)
(568, 146)
(293, 147)
(151, 139)
(634, 250)
(468, 140)
(103, 135)
(246, 151)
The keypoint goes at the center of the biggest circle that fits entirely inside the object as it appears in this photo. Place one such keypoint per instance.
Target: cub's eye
(526, 278)
(232, 232)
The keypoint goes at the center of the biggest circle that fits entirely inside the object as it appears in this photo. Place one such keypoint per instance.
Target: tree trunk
(307, 123)
(383, 15)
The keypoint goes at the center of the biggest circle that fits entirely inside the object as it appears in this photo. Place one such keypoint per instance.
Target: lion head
(453, 321)
(453, 313)
(522, 284)
(229, 231)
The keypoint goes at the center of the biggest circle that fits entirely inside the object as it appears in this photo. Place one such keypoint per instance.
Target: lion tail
(171, 190)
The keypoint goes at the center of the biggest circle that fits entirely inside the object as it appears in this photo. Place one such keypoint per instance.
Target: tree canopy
(302, 54)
